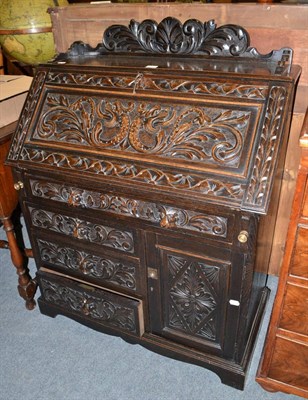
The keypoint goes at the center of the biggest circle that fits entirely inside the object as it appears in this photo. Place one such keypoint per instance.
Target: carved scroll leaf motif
(193, 290)
(267, 149)
(191, 133)
(171, 37)
(211, 187)
(82, 230)
(68, 121)
(90, 80)
(176, 218)
(205, 88)
(172, 85)
(94, 307)
(88, 264)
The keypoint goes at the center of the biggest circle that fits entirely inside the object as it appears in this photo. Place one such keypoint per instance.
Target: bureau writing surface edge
(148, 165)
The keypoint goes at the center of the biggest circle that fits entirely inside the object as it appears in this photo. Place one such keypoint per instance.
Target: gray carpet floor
(47, 358)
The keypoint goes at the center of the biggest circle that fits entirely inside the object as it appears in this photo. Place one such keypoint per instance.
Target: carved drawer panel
(81, 229)
(102, 307)
(162, 215)
(100, 269)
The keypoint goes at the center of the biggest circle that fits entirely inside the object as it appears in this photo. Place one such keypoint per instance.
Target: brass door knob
(18, 185)
(243, 237)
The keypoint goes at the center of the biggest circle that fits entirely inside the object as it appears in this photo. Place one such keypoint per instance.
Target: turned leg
(26, 285)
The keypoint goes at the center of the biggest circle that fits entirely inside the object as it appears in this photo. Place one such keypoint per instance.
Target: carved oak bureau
(150, 169)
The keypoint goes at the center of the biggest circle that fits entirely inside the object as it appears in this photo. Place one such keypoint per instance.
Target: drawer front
(294, 315)
(102, 307)
(161, 215)
(102, 268)
(305, 202)
(290, 363)
(299, 264)
(82, 229)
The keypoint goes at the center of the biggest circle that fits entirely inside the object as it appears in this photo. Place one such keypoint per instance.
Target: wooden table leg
(10, 217)
(26, 285)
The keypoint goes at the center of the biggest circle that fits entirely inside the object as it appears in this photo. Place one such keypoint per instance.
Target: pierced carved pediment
(172, 37)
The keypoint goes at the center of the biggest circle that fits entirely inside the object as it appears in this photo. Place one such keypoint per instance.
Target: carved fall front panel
(204, 134)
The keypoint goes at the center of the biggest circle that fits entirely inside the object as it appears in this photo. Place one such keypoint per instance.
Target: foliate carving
(204, 88)
(161, 84)
(116, 272)
(83, 230)
(193, 291)
(203, 134)
(135, 173)
(166, 216)
(26, 115)
(93, 306)
(172, 37)
(268, 147)
(122, 82)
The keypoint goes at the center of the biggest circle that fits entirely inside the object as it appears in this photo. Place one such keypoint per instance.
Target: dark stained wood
(270, 26)
(147, 175)
(284, 363)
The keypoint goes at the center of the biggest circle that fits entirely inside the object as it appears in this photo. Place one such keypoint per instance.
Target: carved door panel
(189, 293)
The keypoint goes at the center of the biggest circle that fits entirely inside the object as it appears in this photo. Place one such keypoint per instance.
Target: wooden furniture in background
(8, 204)
(284, 363)
(270, 26)
(1, 63)
(150, 186)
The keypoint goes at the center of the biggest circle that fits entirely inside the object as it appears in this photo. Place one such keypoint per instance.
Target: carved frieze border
(144, 82)
(231, 191)
(257, 194)
(166, 216)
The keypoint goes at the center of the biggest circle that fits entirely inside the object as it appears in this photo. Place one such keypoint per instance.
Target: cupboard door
(192, 294)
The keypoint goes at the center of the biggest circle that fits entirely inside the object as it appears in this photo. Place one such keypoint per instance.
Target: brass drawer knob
(152, 273)
(243, 237)
(18, 185)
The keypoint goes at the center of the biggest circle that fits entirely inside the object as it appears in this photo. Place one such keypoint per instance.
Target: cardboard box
(13, 92)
